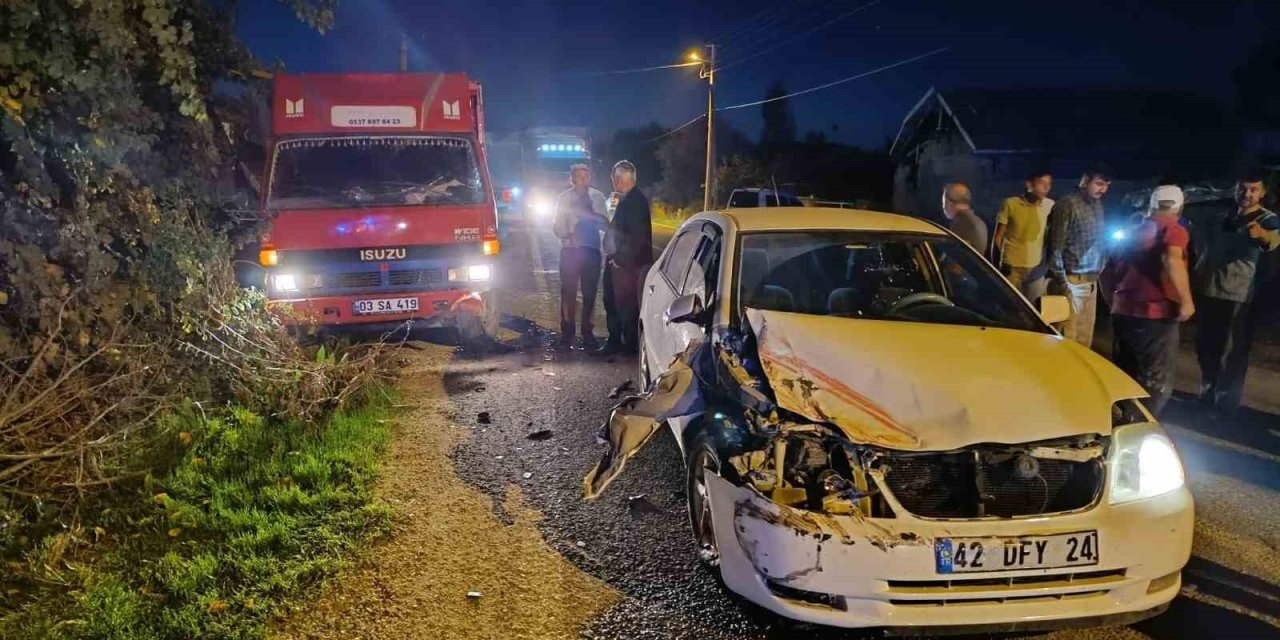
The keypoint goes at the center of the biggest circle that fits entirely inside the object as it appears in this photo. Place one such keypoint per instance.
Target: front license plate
(962, 555)
(385, 305)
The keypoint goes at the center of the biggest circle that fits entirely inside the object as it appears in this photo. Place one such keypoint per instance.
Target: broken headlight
(1144, 464)
(804, 468)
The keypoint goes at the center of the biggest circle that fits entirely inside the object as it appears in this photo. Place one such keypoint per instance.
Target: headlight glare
(478, 272)
(286, 282)
(1144, 464)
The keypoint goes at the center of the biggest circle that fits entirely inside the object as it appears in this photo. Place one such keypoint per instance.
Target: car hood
(929, 387)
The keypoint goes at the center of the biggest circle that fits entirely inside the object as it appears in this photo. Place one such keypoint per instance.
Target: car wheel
(703, 457)
(643, 379)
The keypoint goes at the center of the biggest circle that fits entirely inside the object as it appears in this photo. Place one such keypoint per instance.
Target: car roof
(804, 218)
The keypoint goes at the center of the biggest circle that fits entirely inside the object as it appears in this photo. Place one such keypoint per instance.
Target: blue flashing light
(342, 229)
(1119, 234)
(515, 192)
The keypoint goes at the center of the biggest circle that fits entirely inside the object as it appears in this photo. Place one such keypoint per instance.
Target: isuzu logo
(371, 255)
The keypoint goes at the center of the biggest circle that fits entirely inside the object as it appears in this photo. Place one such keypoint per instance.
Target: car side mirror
(1055, 309)
(686, 308)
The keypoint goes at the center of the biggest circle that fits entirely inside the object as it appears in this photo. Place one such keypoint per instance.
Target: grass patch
(249, 515)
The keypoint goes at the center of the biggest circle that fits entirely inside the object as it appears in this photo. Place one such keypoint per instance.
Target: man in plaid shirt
(1077, 252)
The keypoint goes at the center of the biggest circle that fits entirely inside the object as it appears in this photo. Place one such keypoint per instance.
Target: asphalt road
(636, 537)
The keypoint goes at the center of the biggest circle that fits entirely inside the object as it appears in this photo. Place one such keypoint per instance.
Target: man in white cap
(1149, 291)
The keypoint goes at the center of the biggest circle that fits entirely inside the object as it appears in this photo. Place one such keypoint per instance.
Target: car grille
(1062, 586)
(979, 484)
(356, 280)
(408, 278)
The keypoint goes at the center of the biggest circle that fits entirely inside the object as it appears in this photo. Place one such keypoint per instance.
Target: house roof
(1047, 119)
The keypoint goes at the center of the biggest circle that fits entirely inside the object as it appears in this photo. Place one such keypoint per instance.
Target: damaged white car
(880, 432)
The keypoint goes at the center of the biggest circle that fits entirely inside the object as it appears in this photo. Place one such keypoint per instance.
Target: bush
(123, 336)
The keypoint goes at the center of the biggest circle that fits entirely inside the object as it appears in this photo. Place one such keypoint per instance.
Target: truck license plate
(961, 555)
(385, 305)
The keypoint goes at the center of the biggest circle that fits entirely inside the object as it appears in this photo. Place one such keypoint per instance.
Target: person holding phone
(1229, 249)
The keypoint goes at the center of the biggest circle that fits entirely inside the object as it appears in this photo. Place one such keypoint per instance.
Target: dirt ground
(448, 542)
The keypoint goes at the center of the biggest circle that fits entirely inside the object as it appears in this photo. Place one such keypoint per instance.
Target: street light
(694, 57)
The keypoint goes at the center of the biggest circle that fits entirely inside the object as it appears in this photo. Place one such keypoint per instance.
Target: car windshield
(375, 171)
(880, 276)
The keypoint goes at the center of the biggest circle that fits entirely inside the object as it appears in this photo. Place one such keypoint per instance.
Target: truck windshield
(331, 173)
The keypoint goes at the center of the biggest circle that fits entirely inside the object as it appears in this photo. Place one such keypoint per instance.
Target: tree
(779, 123)
(640, 146)
(119, 215)
(682, 156)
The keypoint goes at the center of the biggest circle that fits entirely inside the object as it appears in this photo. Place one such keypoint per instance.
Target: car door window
(677, 262)
(743, 200)
(704, 270)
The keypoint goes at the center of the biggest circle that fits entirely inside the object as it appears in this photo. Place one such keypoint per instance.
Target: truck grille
(415, 277)
(356, 280)
(969, 485)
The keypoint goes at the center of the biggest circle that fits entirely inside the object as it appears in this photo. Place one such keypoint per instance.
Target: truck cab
(383, 209)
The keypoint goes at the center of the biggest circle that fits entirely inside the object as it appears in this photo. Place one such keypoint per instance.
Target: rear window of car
(744, 199)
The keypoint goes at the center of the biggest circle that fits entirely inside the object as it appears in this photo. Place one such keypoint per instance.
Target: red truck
(383, 208)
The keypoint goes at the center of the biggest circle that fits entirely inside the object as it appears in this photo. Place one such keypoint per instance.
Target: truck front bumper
(435, 309)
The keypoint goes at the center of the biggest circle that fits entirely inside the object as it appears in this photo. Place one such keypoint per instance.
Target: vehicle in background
(755, 198)
(828, 376)
(546, 155)
(383, 209)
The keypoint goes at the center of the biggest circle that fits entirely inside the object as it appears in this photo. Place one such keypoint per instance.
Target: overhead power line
(837, 82)
(673, 131)
(800, 35)
(638, 70)
(784, 23)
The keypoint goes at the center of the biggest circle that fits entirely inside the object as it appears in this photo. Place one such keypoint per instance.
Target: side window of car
(677, 262)
(704, 273)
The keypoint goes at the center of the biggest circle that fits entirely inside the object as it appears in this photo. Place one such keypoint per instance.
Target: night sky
(530, 55)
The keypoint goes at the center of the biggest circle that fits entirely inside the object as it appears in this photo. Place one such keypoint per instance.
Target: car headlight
(1144, 464)
(286, 282)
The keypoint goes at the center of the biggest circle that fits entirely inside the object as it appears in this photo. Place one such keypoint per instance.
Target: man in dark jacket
(629, 249)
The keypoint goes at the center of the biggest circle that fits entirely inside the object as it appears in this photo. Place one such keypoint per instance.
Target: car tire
(703, 456)
(643, 376)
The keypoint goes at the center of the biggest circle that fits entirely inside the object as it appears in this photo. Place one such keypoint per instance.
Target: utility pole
(404, 54)
(709, 72)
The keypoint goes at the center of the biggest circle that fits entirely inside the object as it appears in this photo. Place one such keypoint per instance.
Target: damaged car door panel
(845, 472)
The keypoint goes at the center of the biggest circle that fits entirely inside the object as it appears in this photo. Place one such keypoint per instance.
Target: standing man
(964, 222)
(1077, 252)
(1229, 249)
(579, 221)
(1018, 246)
(631, 252)
(1149, 291)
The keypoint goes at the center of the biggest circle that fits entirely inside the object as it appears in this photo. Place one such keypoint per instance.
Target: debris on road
(474, 595)
(582, 545)
(627, 385)
(484, 418)
(541, 434)
(528, 474)
(641, 504)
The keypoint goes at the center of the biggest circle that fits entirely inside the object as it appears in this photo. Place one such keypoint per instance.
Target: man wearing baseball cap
(1149, 291)
(1229, 249)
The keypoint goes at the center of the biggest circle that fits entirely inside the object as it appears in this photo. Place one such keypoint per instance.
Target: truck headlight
(1144, 464)
(479, 272)
(286, 282)
(474, 273)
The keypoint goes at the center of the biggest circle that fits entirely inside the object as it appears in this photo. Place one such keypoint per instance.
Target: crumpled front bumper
(850, 571)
